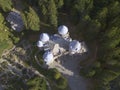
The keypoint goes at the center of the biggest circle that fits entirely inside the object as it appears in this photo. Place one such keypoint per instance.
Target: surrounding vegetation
(98, 21)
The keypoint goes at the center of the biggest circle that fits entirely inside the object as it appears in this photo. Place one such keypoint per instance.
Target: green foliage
(107, 75)
(16, 84)
(91, 31)
(5, 45)
(59, 3)
(1, 19)
(54, 74)
(105, 78)
(96, 64)
(4, 35)
(14, 38)
(37, 83)
(91, 73)
(100, 86)
(102, 14)
(3, 29)
(43, 6)
(112, 32)
(112, 62)
(31, 20)
(83, 6)
(111, 38)
(62, 83)
(80, 8)
(48, 10)
(101, 24)
(57, 75)
(86, 18)
(114, 9)
(87, 72)
(52, 12)
(59, 80)
(6, 5)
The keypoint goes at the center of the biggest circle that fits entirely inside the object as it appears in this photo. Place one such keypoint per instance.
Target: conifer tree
(6, 5)
(52, 13)
(59, 3)
(3, 29)
(31, 20)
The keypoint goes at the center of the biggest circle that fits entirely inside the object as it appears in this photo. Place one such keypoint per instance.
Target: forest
(97, 22)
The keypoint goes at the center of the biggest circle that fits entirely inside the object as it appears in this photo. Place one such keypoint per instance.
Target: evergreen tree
(4, 34)
(83, 6)
(31, 20)
(59, 3)
(52, 13)
(6, 5)
(37, 83)
(49, 11)
(114, 9)
(105, 14)
(43, 5)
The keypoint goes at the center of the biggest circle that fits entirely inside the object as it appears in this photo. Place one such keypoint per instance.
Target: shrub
(54, 74)
(62, 83)
(6, 5)
(31, 20)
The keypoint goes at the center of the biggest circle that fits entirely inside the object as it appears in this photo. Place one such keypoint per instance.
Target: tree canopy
(98, 21)
(31, 20)
(6, 5)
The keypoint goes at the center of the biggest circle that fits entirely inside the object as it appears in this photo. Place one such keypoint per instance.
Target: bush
(62, 83)
(54, 74)
(91, 73)
(87, 72)
(37, 83)
(59, 80)
(14, 38)
(97, 64)
(57, 75)
(4, 31)
(31, 20)
(6, 5)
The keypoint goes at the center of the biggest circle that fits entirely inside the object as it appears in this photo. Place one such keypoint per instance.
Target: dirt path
(76, 82)
(69, 67)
